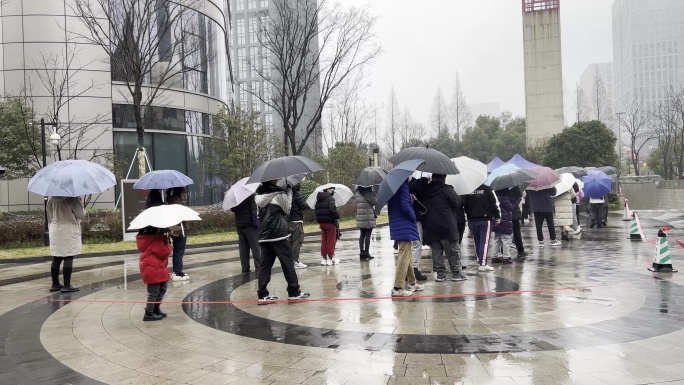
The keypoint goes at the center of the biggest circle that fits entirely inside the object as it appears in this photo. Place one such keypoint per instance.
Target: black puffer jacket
(515, 196)
(326, 211)
(441, 203)
(298, 205)
(417, 188)
(246, 214)
(274, 205)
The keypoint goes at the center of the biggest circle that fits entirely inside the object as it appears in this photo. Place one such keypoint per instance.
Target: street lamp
(54, 139)
(620, 137)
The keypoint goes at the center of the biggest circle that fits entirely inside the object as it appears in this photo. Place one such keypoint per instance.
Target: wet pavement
(587, 312)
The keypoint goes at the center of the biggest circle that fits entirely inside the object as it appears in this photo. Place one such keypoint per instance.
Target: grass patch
(193, 239)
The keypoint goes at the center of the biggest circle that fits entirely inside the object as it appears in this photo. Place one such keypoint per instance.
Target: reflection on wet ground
(585, 313)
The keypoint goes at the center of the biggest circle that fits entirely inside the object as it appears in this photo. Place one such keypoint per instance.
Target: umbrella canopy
(342, 194)
(164, 216)
(434, 161)
(494, 164)
(238, 192)
(609, 170)
(71, 178)
(596, 184)
(294, 180)
(369, 176)
(394, 179)
(546, 178)
(283, 167)
(162, 179)
(521, 162)
(566, 183)
(472, 174)
(574, 170)
(508, 176)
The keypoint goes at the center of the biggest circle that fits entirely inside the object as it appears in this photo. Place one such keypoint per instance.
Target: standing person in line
(296, 222)
(541, 206)
(327, 216)
(417, 187)
(179, 234)
(365, 219)
(154, 247)
(515, 197)
(274, 200)
(403, 230)
(579, 195)
(525, 208)
(247, 226)
(154, 199)
(503, 230)
(64, 227)
(564, 213)
(481, 208)
(605, 210)
(441, 232)
(596, 207)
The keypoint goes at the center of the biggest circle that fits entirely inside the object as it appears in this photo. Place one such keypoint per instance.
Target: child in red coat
(154, 247)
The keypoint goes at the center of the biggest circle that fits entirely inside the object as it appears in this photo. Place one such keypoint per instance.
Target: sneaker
(458, 277)
(541, 243)
(335, 261)
(299, 265)
(555, 243)
(152, 317)
(55, 288)
(70, 289)
(578, 231)
(178, 277)
(416, 287)
(419, 276)
(268, 299)
(401, 293)
(324, 262)
(523, 254)
(496, 259)
(299, 297)
(507, 261)
(485, 268)
(440, 277)
(328, 262)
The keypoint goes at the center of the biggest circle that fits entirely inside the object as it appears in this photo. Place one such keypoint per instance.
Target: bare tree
(665, 124)
(350, 118)
(460, 112)
(636, 122)
(393, 119)
(310, 48)
(439, 117)
(150, 45)
(581, 105)
(410, 132)
(599, 101)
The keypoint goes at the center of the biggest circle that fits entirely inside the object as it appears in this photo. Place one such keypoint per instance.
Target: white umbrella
(342, 194)
(71, 178)
(567, 180)
(472, 174)
(238, 192)
(164, 216)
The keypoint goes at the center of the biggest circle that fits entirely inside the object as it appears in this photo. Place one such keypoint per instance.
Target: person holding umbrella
(515, 196)
(417, 187)
(296, 222)
(541, 206)
(153, 244)
(247, 226)
(365, 219)
(564, 209)
(274, 201)
(179, 237)
(503, 230)
(327, 216)
(64, 226)
(481, 208)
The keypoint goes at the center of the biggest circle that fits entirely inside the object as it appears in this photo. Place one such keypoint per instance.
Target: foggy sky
(426, 41)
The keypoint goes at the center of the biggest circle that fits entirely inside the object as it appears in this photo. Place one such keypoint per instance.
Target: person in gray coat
(365, 219)
(541, 206)
(64, 225)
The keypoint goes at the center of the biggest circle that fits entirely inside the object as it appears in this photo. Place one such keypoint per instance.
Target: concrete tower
(543, 69)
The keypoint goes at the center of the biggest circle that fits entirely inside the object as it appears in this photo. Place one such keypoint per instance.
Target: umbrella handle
(422, 212)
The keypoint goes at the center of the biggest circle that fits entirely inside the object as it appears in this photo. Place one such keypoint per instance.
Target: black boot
(564, 236)
(158, 311)
(152, 317)
(363, 257)
(419, 276)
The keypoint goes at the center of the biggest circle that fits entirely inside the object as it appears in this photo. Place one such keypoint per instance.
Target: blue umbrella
(71, 178)
(494, 164)
(596, 184)
(162, 179)
(394, 179)
(521, 162)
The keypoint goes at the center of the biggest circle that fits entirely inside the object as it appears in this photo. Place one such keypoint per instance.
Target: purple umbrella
(546, 178)
(521, 162)
(494, 164)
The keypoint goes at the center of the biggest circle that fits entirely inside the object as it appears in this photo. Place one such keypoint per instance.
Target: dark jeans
(517, 236)
(539, 219)
(597, 214)
(450, 249)
(461, 229)
(364, 240)
(481, 232)
(178, 252)
(248, 239)
(296, 239)
(269, 252)
(155, 293)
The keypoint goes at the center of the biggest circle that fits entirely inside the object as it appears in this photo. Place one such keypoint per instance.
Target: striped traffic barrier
(662, 261)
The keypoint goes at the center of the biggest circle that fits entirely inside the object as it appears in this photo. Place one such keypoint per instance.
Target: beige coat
(563, 215)
(64, 218)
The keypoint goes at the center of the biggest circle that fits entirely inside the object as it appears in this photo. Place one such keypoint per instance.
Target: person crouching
(154, 247)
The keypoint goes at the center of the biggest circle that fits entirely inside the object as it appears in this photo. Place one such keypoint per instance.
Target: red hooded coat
(154, 257)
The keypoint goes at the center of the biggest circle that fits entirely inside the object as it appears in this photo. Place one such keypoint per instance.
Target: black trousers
(461, 229)
(155, 293)
(364, 240)
(517, 236)
(269, 252)
(248, 239)
(539, 219)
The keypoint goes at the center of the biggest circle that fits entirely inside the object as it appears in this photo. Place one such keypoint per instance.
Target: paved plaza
(587, 312)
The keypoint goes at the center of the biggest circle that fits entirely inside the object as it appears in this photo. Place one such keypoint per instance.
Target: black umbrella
(2, 170)
(609, 170)
(283, 167)
(510, 179)
(435, 161)
(369, 176)
(577, 172)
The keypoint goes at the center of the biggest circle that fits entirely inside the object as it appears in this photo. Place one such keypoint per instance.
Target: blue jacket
(506, 207)
(402, 218)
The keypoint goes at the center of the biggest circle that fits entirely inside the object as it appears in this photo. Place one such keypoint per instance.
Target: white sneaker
(267, 300)
(425, 247)
(324, 262)
(328, 262)
(578, 231)
(485, 268)
(541, 243)
(299, 265)
(416, 287)
(183, 277)
(335, 261)
(401, 293)
(301, 296)
(555, 243)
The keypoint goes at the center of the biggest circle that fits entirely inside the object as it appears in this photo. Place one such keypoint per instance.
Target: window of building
(240, 28)
(254, 61)
(256, 91)
(266, 63)
(263, 24)
(242, 62)
(268, 97)
(263, 3)
(240, 5)
(251, 4)
(268, 122)
(253, 30)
